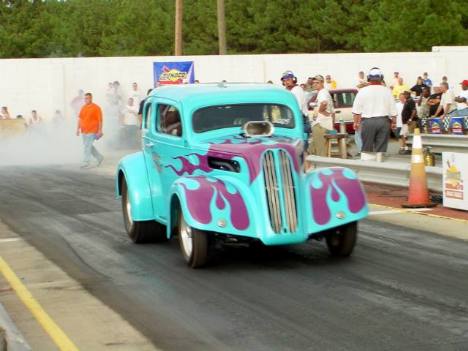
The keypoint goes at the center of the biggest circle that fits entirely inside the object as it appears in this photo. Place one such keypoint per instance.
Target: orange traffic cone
(418, 194)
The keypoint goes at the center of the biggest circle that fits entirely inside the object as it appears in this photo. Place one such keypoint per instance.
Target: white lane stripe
(384, 212)
(9, 240)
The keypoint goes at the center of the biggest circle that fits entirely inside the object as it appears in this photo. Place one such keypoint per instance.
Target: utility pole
(179, 10)
(221, 28)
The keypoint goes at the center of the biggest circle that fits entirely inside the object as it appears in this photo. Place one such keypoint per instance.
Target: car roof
(184, 92)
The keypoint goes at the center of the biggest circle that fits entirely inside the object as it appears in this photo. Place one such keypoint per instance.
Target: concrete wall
(50, 84)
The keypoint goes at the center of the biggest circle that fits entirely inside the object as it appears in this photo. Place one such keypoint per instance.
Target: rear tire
(193, 243)
(140, 231)
(341, 240)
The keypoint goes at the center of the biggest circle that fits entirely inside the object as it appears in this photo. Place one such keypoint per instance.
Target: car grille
(280, 191)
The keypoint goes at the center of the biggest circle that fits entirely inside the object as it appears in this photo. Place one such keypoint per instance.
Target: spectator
(289, 81)
(136, 94)
(462, 98)
(142, 104)
(323, 118)
(418, 87)
(396, 77)
(90, 127)
(424, 107)
(330, 84)
(434, 102)
(372, 109)
(35, 118)
(399, 120)
(399, 88)
(362, 82)
(77, 103)
(447, 101)
(130, 124)
(309, 85)
(4, 113)
(426, 80)
(445, 79)
(409, 121)
(58, 119)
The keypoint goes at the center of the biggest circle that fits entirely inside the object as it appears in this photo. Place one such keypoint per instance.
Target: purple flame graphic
(199, 202)
(249, 149)
(350, 187)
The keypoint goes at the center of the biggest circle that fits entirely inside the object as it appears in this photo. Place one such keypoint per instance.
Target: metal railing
(390, 172)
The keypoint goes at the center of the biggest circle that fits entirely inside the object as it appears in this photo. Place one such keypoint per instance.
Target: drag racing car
(223, 163)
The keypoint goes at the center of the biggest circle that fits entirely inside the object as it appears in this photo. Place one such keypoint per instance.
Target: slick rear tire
(341, 240)
(193, 244)
(140, 231)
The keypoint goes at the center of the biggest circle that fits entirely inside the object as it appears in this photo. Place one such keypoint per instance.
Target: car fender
(219, 204)
(132, 170)
(332, 197)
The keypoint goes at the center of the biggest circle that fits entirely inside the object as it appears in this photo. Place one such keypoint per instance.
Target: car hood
(251, 149)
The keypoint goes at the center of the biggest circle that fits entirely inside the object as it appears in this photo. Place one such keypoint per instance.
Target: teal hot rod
(224, 162)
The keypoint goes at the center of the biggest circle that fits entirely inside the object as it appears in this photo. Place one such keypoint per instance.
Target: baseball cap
(287, 75)
(374, 73)
(464, 83)
(318, 77)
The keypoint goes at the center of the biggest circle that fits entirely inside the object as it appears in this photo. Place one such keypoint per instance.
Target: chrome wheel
(128, 210)
(186, 238)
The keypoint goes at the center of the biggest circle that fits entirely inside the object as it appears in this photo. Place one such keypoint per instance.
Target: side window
(169, 120)
(147, 115)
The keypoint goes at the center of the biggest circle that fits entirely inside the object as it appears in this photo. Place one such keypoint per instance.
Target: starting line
(396, 211)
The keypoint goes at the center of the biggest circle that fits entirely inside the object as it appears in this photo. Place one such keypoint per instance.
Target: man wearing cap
(323, 117)
(289, 81)
(462, 98)
(373, 108)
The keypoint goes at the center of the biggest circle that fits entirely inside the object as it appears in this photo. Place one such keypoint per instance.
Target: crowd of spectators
(415, 104)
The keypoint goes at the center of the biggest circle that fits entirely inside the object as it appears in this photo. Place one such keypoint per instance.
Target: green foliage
(61, 28)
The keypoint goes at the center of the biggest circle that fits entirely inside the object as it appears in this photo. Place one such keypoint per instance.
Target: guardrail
(443, 142)
(389, 172)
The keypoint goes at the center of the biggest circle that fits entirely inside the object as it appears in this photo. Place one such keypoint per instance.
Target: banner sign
(455, 180)
(173, 73)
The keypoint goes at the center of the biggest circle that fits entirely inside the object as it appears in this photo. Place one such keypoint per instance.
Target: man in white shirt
(289, 81)
(447, 101)
(323, 117)
(373, 109)
(462, 98)
(136, 94)
(130, 124)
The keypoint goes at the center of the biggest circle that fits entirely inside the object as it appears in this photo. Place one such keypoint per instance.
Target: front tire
(341, 240)
(193, 243)
(140, 231)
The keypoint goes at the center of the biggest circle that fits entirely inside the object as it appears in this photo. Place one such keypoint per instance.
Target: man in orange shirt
(90, 127)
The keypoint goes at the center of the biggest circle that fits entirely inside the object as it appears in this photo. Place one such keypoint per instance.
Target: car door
(163, 144)
(152, 162)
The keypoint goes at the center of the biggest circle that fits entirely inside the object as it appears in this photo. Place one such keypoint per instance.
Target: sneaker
(85, 166)
(100, 161)
(407, 152)
(402, 152)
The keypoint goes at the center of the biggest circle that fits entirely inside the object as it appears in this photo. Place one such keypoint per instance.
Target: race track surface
(401, 290)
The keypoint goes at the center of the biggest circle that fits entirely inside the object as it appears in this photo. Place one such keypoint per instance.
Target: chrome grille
(280, 191)
(289, 191)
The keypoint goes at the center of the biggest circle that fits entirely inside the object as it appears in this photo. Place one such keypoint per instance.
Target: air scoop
(258, 128)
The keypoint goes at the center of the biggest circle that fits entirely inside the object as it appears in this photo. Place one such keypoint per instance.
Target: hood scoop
(258, 128)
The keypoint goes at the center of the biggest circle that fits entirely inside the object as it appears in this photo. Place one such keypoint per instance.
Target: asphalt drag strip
(402, 289)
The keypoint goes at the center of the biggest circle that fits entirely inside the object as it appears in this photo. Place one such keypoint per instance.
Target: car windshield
(228, 116)
(344, 99)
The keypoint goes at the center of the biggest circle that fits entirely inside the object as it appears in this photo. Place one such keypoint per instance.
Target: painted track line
(396, 211)
(58, 336)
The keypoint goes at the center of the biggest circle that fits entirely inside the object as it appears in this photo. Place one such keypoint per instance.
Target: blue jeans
(89, 149)
(358, 139)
